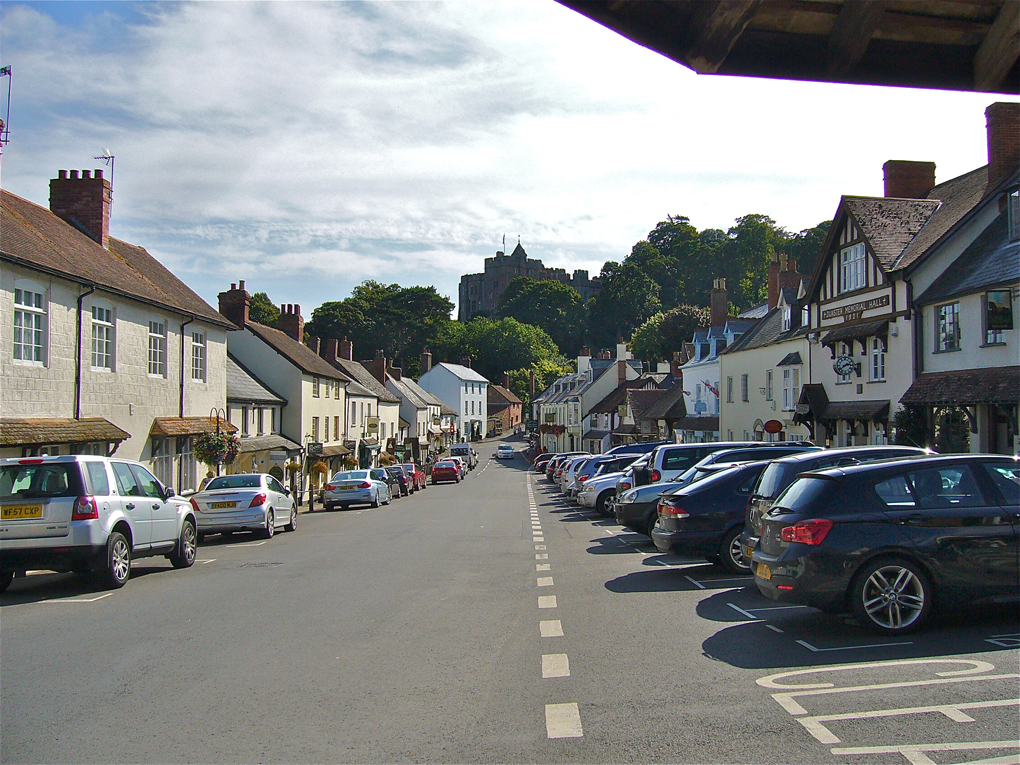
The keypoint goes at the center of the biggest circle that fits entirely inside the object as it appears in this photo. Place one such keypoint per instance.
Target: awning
(966, 387)
(596, 435)
(812, 402)
(791, 360)
(33, 431)
(267, 443)
(168, 427)
(860, 411)
(857, 331)
(335, 450)
(702, 424)
(626, 430)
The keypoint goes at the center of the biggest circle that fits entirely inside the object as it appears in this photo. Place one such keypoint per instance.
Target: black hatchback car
(890, 540)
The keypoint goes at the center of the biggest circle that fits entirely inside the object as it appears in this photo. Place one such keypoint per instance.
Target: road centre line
(545, 581)
(815, 723)
(543, 567)
(541, 556)
(539, 547)
(550, 628)
(563, 721)
(915, 753)
(555, 665)
(547, 601)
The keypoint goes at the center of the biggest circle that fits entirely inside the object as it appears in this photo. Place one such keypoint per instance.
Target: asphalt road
(487, 621)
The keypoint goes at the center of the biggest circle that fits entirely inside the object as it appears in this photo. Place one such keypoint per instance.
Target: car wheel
(389, 497)
(187, 547)
(292, 526)
(600, 503)
(270, 529)
(375, 499)
(118, 561)
(731, 553)
(652, 523)
(327, 506)
(6, 577)
(892, 596)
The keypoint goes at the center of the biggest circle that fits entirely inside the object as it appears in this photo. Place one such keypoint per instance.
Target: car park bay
(440, 625)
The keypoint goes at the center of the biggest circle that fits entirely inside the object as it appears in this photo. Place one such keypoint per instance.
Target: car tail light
(623, 486)
(31, 461)
(194, 504)
(364, 485)
(331, 487)
(655, 475)
(85, 509)
(671, 511)
(258, 499)
(810, 532)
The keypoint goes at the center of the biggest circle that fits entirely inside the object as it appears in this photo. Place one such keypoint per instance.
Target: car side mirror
(286, 491)
(169, 492)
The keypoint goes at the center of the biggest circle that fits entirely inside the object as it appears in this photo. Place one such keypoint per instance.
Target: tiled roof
(298, 354)
(169, 427)
(366, 379)
(34, 237)
(791, 360)
(669, 407)
(966, 387)
(890, 224)
(856, 331)
(32, 431)
(641, 400)
(413, 393)
(618, 395)
(991, 260)
(461, 372)
(498, 396)
(242, 385)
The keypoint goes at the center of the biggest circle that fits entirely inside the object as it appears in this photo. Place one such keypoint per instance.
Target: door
(134, 504)
(279, 499)
(164, 513)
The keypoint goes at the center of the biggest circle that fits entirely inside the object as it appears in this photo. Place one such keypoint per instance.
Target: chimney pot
(62, 174)
(83, 202)
(241, 284)
(346, 349)
(905, 179)
(235, 304)
(291, 323)
(97, 173)
(74, 175)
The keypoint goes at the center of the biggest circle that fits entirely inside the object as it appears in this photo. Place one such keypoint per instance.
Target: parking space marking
(78, 600)
(915, 753)
(555, 665)
(537, 539)
(206, 560)
(543, 567)
(813, 649)
(547, 601)
(697, 584)
(738, 609)
(545, 581)
(563, 721)
(774, 628)
(1005, 641)
(815, 724)
(248, 544)
(550, 628)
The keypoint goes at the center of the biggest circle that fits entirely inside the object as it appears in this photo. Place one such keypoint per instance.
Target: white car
(244, 502)
(351, 487)
(504, 452)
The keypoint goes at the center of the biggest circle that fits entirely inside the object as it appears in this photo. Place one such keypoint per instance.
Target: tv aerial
(107, 159)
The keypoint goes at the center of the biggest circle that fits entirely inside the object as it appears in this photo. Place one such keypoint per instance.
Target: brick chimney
(719, 302)
(506, 380)
(466, 362)
(377, 367)
(789, 276)
(1003, 129)
(314, 343)
(674, 366)
(395, 372)
(426, 361)
(328, 351)
(83, 202)
(346, 349)
(235, 304)
(908, 180)
(291, 322)
(774, 266)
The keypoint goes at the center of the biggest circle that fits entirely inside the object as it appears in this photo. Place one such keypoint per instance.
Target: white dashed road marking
(543, 567)
(541, 556)
(555, 665)
(547, 601)
(545, 581)
(551, 628)
(563, 721)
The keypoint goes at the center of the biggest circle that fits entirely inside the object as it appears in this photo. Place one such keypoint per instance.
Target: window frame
(876, 359)
(199, 355)
(157, 345)
(105, 326)
(948, 335)
(39, 330)
(852, 268)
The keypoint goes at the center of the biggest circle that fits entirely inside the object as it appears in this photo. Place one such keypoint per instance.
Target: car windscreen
(40, 481)
(235, 482)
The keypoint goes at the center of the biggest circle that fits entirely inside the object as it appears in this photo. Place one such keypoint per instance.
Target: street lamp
(215, 412)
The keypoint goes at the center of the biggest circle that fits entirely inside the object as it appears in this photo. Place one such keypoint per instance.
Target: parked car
(504, 452)
(642, 447)
(244, 502)
(597, 466)
(565, 473)
(891, 540)
(395, 479)
(89, 515)
(672, 460)
(417, 475)
(554, 464)
(358, 487)
(782, 472)
(730, 456)
(446, 470)
(403, 487)
(541, 461)
(461, 465)
(705, 518)
(599, 492)
(465, 452)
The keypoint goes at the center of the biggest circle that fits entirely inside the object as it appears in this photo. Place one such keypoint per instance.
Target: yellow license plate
(222, 505)
(345, 488)
(748, 551)
(763, 571)
(16, 512)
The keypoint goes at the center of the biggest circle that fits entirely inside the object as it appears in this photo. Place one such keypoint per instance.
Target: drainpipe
(183, 325)
(77, 365)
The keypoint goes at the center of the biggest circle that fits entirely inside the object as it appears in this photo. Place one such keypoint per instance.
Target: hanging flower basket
(559, 430)
(216, 448)
(543, 428)
(293, 467)
(318, 468)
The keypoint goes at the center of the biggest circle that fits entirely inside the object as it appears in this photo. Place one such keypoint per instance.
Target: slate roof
(462, 372)
(856, 331)
(991, 260)
(298, 354)
(889, 224)
(30, 431)
(266, 443)
(619, 394)
(33, 236)
(966, 387)
(669, 407)
(641, 400)
(170, 427)
(365, 379)
(500, 396)
(242, 385)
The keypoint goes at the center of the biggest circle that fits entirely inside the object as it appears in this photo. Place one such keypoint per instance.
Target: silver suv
(89, 515)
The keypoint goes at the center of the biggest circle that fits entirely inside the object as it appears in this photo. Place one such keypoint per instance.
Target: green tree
(806, 247)
(553, 306)
(547, 371)
(628, 298)
(496, 346)
(752, 241)
(262, 310)
(665, 333)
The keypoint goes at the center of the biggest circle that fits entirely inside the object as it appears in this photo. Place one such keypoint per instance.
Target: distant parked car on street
(446, 470)
(244, 502)
(417, 475)
(354, 487)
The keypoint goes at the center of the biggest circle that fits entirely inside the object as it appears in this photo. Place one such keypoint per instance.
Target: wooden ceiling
(968, 45)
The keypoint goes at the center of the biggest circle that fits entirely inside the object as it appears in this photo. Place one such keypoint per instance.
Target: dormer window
(1013, 208)
(805, 316)
(851, 268)
(787, 320)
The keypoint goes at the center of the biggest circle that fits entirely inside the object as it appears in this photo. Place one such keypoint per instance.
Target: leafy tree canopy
(627, 299)
(553, 306)
(547, 371)
(496, 346)
(262, 310)
(665, 333)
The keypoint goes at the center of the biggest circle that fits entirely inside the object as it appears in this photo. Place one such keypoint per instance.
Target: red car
(417, 475)
(445, 470)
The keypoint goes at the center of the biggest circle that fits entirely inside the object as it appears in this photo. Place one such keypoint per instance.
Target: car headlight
(589, 488)
(626, 498)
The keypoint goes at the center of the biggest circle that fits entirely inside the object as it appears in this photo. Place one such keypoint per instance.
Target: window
(877, 359)
(851, 268)
(336, 427)
(768, 385)
(29, 326)
(102, 337)
(998, 315)
(315, 428)
(787, 313)
(189, 467)
(791, 388)
(354, 413)
(272, 420)
(315, 387)
(743, 388)
(157, 348)
(198, 356)
(244, 420)
(729, 391)
(162, 460)
(336, 389)
(1014, 215)
(260, 415)
(947, 330)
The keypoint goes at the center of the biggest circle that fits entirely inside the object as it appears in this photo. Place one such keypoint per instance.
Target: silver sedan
(244, 502)
(357, 487)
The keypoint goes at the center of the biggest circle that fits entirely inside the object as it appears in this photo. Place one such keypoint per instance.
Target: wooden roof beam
(999, 51)
(851, 33)
(719, 25)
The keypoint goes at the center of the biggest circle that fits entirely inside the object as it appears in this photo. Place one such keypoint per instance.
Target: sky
(305, 147)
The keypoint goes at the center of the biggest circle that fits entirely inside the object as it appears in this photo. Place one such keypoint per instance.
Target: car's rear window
(1006, 478)
(40, 481)
(446, 464)
(351, 475)
(773, 481)
(805, 495)
(235, 482)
